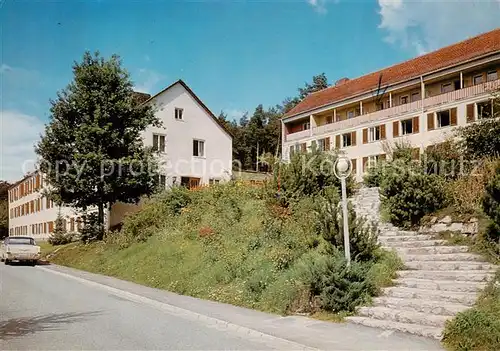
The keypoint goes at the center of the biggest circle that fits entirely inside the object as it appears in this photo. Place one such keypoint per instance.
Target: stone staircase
(439, 279)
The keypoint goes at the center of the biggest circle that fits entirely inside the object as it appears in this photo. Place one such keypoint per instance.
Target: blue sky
(234, 54)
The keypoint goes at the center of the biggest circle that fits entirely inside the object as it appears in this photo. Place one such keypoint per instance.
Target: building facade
(33, 214)
(194, 149)
(420, 101)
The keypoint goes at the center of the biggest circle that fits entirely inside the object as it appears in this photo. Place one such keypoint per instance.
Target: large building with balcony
(420, 101)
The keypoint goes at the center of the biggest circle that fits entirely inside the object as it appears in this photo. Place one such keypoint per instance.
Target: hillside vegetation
(246, 246)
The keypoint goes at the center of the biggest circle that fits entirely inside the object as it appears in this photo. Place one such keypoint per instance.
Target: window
(291, 150)
(350, 114)
(179, 114)
(159, 142)
(403, 100)
(443, 118)
(415, 96)
(407, 126)
(346, 140)
(374, 134)
(478, 79)
(306, 126)
(329, 119)
(213, 181)
(491, 76)
(484, 109)
(446, 88)
(199, 148)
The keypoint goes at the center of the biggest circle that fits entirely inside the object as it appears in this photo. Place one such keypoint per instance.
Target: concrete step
(414, 243)
(390, 232)
(441, 285)
(403, 316)
(449, 265)
(469, 257)
(415, 329)
(464, 298)
(420, 305)
(429, 250)
(465, 276)
(415, 237)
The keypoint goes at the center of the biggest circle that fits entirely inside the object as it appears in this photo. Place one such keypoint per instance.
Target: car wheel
(33, 263)
(7, 262)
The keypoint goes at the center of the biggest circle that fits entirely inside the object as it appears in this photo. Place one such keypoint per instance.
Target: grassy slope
(227, 246)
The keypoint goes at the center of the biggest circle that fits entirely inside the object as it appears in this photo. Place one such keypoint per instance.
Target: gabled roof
(188, 89)
(475, 47)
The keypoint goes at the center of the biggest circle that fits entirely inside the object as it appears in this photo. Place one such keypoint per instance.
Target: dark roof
(475, 47)
(181, 82)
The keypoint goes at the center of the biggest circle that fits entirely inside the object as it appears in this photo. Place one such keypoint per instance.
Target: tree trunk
(100, 217)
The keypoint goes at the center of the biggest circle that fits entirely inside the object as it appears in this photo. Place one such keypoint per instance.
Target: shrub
(480, 140)
(307, 174)
(408, 195)
(329, 224)
(176, 199)
(60, 235)
(444, 159)
(338, 287)
(491, 206)
(91, 229)
(479, 327)
(465, 194)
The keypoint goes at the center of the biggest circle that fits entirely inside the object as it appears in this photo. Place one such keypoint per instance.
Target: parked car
(20, 249)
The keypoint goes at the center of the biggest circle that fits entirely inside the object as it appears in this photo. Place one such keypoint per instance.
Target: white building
(194, 149)
(420, 101)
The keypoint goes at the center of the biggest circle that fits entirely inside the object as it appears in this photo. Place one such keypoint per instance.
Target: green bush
(409, 194)
(60, 236)
(374, 175)
(91, 229)
(307, 174)
(491, 206)
(329, 224)
(480, 140)
(444, 159)
(176, 199)
(479, 327)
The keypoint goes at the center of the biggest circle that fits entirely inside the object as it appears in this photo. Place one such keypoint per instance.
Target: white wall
(178, 159)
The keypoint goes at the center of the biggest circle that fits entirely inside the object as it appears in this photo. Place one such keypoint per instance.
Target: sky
(235, 55)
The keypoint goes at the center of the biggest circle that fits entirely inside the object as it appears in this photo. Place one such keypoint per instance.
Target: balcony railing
(298, 135)
(415, 106)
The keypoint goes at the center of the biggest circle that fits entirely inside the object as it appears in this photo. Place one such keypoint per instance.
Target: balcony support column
(361, 108)
(461, 80)
(312, 124)
(422, 91)
(283, 137)
(334, 115)
(390, 100)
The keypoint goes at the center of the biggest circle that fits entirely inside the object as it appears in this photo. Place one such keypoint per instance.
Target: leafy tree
(319, 82)
(92, 151)
(491, 205)
(4, 209)
(481, 139)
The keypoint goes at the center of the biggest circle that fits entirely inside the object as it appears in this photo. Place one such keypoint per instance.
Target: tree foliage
(263, 127)
(479, 140)
(4, 209)
(92, 151)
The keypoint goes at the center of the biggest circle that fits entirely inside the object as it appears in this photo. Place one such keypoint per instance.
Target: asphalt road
(56, 308)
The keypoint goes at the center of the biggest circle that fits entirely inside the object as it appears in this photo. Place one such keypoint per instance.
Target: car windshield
(20, 241)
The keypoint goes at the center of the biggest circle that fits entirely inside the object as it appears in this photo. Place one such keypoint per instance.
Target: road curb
(212, 322)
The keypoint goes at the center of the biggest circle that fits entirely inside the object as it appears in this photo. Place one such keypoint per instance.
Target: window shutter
(453, 116)
(365, 135)
(382, 132)
(354, 162)
(382, 157)
(470, 113)
(365, 162)
(327, 144)
(353, 138)
(430, 121)
(395, 129)
(415, 125)
(303, 147)
(337, 141)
